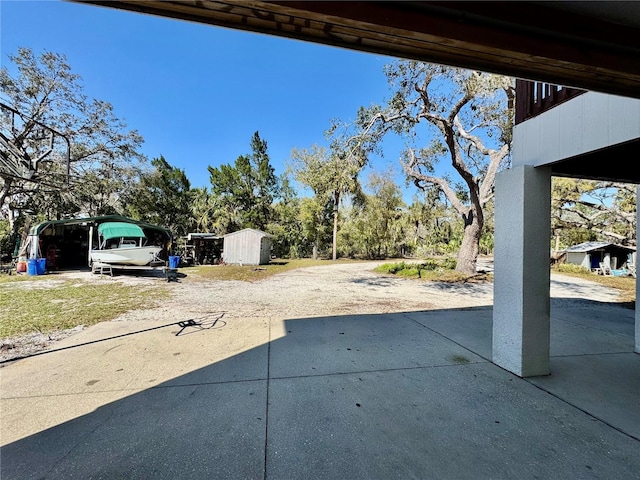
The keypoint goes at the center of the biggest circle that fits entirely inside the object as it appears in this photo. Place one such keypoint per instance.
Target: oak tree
(447, 115)
(48, 121)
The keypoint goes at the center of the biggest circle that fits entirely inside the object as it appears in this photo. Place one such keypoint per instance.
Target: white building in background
(590, 255)
(247, 247)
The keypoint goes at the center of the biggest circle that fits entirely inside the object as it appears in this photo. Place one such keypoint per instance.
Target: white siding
(578, 258)
(584, 124)
(247, 247)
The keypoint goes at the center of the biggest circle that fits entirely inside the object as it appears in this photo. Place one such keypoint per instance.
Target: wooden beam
(521, 39)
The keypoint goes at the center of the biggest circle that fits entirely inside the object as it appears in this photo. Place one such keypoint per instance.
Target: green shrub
(449, 263)
(392, 268)
(409, 272)
(430, 264)
(404, 269)
(446, 263)
(6, 239)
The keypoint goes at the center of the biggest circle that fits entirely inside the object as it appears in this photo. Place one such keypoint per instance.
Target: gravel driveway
(339, 289)
(342, 289)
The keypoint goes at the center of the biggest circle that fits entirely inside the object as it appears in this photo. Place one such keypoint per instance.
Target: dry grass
(451, 276)
(434, 270)
(47, 305)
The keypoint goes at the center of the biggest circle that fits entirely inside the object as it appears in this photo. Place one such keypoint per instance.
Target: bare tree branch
(411, 169)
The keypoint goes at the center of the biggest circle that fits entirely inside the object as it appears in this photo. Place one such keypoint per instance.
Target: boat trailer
(104, 268)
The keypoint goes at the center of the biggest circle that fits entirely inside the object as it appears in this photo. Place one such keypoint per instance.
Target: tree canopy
(161, 197)
(588, 210)
(447, 114)
(246, 189)
(330, 175)
(48, 120)
(448, 117)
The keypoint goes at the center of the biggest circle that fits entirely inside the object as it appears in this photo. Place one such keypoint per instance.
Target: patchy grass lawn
(253, 273)
(432, 269)
(46, 305)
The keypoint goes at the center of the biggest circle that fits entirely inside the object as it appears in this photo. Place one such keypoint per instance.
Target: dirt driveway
(350, 288)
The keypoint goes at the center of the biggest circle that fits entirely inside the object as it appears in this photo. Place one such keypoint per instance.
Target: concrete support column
(521, 306)
(637, 349)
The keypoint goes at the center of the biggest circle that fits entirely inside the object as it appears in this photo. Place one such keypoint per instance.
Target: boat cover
(119, 229)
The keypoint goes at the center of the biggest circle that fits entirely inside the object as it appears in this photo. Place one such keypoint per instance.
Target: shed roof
(36, 229)
(591, 246)
(259, 232)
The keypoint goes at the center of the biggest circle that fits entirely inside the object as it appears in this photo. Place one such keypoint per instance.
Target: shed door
(265, 250)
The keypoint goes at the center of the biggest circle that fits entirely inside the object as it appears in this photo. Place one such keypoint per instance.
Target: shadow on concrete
(400, 395)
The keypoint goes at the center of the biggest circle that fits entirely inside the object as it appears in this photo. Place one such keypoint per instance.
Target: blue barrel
(32, 266)
(174, 261)
(41, 266)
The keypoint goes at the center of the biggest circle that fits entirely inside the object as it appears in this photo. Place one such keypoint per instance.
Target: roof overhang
(589, 45)
(90, 221)
(598, 165)
(587, 247)
(259, 233)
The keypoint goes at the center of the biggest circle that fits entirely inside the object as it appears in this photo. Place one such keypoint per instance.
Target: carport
(65, 243)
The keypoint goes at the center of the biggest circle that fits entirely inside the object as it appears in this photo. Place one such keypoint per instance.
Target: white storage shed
(247, 247)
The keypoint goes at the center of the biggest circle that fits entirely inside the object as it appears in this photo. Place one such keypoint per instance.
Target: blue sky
(197, 93)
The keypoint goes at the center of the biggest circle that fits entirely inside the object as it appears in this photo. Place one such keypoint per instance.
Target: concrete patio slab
(354, 343)
(606, 386)
(115, 360)
(139, 355)
(583, 329)
(607, 317)
(189, 432)
(388, 396)
(468, 327)
(462, 422)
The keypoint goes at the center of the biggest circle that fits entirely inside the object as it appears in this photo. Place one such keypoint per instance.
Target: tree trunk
(12, 220)
(468, 254)
(4, 191)
(316, 245)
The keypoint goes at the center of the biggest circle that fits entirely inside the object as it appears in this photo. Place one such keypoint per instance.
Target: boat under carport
(66, 243)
